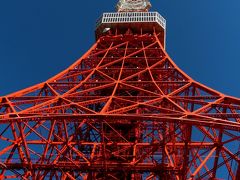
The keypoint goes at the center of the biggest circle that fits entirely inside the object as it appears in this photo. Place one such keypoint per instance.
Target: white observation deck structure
(132, 15)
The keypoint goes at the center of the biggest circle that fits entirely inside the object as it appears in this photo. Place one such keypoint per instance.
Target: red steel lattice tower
(124, 111)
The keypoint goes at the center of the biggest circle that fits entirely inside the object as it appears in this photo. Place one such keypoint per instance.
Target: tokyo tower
(123, 111)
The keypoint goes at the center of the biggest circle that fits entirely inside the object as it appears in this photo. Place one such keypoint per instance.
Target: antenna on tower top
(133, 5)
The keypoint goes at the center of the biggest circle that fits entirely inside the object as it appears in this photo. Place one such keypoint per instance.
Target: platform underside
(124, 110)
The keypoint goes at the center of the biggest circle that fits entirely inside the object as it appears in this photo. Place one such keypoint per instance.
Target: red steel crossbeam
(123, 110)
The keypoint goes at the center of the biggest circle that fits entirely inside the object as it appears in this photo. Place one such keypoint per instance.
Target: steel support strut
(124, 110)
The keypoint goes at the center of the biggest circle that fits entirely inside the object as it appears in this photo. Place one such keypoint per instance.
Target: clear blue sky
(38, 39)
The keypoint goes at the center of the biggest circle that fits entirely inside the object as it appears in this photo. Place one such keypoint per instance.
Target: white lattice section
(133, 5)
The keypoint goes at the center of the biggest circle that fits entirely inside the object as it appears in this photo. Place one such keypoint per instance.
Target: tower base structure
(122, 111)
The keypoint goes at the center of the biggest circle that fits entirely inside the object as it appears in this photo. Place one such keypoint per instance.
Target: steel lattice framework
(124, 110)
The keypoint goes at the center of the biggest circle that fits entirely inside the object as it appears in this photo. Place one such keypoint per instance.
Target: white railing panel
(131, 17)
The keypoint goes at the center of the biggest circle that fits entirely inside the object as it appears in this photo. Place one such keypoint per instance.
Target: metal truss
(122, 111)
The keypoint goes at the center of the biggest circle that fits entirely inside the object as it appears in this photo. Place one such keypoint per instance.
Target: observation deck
(137, 22)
